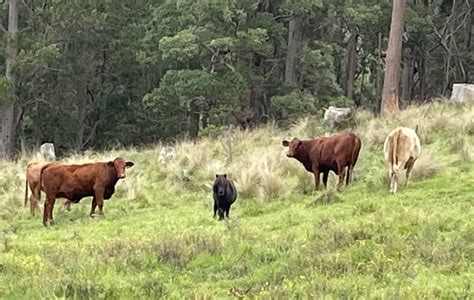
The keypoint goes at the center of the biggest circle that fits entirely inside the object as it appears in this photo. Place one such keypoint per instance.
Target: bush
(292, 105)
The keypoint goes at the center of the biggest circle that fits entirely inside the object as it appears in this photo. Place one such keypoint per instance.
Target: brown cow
(74, 182)
(325, 154)
(33, 171)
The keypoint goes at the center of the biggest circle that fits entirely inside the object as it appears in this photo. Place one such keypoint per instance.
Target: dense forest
(98, 74)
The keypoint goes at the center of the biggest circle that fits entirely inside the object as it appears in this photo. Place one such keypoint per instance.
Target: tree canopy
(96, 74)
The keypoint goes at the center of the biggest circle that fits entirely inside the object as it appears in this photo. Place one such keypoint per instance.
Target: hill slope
(158, 237)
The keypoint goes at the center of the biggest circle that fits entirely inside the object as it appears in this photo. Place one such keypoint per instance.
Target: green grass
(158, 238)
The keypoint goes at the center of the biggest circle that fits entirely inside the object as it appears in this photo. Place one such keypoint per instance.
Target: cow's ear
(225, 175)
(217, 175)
(285, 143)
(129, 164)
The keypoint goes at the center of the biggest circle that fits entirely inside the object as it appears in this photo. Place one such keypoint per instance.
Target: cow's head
(294, 147)
(220, 184)
(120, 165)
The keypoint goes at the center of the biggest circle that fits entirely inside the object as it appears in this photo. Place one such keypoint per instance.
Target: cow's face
(120, 165)
(294, 147)
(220, 184)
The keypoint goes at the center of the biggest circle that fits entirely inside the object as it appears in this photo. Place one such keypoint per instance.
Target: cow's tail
(416, 129)
(355, 151)
(41, 179)
(26, 186)
(393, 150)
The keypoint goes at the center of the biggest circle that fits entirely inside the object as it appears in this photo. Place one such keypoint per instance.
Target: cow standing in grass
(401, 149)
(74, 182)
(224, 193)
(325, 154)
(33, 171)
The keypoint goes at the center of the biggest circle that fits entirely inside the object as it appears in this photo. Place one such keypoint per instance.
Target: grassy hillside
(283, 241)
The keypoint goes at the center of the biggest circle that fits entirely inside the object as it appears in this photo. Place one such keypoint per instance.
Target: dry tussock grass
(426, 166)
(257, 162)
(259, 174)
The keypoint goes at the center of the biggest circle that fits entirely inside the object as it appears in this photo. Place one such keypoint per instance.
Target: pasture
(284, 241)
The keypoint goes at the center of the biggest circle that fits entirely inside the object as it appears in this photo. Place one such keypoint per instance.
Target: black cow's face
(294, 147)
(220, 184)
(120, 165)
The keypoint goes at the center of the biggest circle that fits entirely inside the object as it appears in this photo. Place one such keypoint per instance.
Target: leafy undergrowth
(158, 238)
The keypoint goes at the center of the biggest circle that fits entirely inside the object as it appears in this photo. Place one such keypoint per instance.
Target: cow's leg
(349, 175)
(316, 180)
(409, 165)
(45, 211)
(221, 213)
(316, 177)
(93, 206)
(227, 211)
(33, 204)
(390, 176)
(99, 196)
(393, 181)
(325, 179)
(342, 174)
(215, 209)
(48, 209)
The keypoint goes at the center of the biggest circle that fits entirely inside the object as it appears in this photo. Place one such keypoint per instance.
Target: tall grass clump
(427, 166)
(259, 174)
(460, 143)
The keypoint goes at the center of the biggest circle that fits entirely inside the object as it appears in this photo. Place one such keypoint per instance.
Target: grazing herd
(337, 153)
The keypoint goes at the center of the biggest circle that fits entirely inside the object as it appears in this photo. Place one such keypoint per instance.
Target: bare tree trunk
(422, 73)
(358, 102)
(192, 121)
(407, 78)
(379, 75)
(81, 114)
(295, 34)
(20, 131)
(8, 134)
(351, 65)
(392, 65)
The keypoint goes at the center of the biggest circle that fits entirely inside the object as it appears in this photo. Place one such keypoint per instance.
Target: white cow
(401, 149)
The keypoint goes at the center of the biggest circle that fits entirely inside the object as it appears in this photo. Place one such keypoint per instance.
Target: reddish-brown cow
(33, 171)
(74, 182)
(325, 154)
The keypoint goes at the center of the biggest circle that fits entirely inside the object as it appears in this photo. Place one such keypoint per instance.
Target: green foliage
(4, 89)
(293, 105)
(301, 7)
(181, 48)
(85, 67)
(317, 73)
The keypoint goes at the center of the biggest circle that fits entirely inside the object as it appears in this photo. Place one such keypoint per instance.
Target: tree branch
(36, 100)
(91, 134)
(27, 7)
(214, 53)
